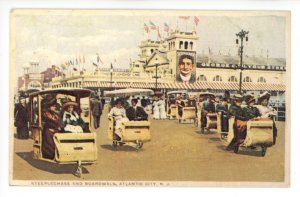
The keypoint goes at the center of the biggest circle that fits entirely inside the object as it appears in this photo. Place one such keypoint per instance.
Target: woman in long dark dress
(52, 125)
(21, 119)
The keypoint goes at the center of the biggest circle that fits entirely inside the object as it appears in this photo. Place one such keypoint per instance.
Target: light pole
(241, 35)
(156, 77)
(111, 73)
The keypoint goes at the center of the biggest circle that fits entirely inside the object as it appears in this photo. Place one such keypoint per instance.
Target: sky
(54, 37)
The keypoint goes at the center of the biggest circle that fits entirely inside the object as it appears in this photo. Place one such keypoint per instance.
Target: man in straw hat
(240, 123)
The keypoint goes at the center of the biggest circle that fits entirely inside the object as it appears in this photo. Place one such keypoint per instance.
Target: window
(180, 44)
(202, 78)
(247, 79)
(186, 45)
(152, 51)
(232, 79)
(191, 44)
(261, 80)
(217, 78)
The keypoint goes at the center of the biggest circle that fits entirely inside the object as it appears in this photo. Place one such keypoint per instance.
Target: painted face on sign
(186, 67)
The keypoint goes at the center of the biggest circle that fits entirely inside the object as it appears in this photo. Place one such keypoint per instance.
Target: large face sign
(186, 67)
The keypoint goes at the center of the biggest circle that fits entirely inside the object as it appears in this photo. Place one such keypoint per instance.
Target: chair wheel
(115, 144)
(263, 151)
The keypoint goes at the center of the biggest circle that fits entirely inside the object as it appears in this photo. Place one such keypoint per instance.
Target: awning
(201, 85)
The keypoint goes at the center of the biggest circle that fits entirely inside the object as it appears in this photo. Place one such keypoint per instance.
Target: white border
(6, 5)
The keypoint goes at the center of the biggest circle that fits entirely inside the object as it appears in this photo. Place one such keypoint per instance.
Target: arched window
(202, 78)
(169, 45)
(152, 51)
(173, 44)
(191, 44)
(232, 79)
(217, 78)
(186, 45)
(180, 44)
(247, 79)
(261, 80)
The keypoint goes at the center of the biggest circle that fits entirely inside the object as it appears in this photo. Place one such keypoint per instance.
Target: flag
(184, 17)
(152, 25)
(146, 28)
(167, 28)
(158, 34)
(196, 20)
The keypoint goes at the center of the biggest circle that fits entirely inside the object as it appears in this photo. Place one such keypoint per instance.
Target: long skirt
(48, 145)
(22, 132)
(156, 113)
(162, 113)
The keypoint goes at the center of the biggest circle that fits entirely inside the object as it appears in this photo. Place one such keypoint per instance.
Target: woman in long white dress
(162, 108)
(155, 106)
(119, 113)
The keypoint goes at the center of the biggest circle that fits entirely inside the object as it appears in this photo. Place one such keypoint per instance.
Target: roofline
(63, 90)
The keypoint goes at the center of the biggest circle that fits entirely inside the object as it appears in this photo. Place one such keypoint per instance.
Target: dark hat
(22, 95)
(265, 95)
(49, 100)
(70, 103)
(119, 101)
(134, 100)
(249, 99)
(238, 97)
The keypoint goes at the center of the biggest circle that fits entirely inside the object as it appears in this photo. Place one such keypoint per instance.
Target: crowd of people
(68, 119)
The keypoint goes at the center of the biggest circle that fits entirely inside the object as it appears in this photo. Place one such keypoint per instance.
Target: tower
(180, 43)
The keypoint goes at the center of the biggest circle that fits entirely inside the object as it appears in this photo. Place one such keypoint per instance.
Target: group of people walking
(159, 108)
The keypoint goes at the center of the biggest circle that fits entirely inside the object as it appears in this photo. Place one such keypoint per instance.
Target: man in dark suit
(208, 106)
(186, 67)
(96, 108)
(135, 112)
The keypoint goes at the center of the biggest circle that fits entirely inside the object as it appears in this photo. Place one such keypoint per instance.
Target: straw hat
(70, 103)
(238, 97)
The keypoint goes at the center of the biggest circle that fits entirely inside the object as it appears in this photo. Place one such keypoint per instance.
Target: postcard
(154, 98)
